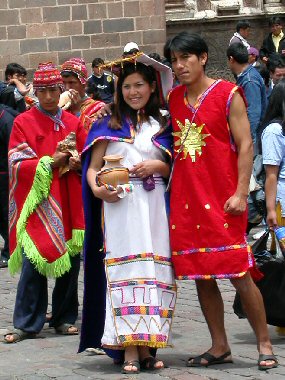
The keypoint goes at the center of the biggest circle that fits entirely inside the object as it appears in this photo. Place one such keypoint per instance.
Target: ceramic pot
(113, 173)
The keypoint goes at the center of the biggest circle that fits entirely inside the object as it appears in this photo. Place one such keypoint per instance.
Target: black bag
(271, 286)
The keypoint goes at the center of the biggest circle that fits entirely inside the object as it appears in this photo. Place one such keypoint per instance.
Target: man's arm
(240, 129)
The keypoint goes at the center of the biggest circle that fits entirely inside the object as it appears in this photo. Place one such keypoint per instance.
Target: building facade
(34, 31)
(216, 22)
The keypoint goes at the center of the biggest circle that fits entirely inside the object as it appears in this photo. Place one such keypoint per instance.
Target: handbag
(271, 286)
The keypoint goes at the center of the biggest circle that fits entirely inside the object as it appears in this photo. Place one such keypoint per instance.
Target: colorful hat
(47, 75)
(164, 77)
(76, 66)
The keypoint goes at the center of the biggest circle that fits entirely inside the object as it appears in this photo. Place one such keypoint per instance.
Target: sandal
(149, 363)
(133, 363)
(18, 335)
(265, 358)
(211, 360)
(64, 329)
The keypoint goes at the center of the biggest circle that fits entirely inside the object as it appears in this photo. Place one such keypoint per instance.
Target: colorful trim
(149, 340)
(201, 99)
(143, 310)
(111, 138)
(210, 250)
(160, 285)
(211, 276)
(140, 257)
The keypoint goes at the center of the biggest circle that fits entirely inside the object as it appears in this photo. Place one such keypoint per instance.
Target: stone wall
(33, 31)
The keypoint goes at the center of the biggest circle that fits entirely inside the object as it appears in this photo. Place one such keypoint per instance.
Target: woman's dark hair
(185, 42)
(121, 109)
(275, 111)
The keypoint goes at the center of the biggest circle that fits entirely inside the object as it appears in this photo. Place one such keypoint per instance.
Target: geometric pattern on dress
(142, 323)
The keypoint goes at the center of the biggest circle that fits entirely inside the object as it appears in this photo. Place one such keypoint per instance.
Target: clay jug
(113, 173)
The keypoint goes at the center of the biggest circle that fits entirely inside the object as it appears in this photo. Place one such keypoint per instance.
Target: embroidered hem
(211, 276)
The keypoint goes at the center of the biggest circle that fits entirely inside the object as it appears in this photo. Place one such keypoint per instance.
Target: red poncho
(206, 242)
(45, 215)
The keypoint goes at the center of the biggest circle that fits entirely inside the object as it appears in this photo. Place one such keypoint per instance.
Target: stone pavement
(52, 356)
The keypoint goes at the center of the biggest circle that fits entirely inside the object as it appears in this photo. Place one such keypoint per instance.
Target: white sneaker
(95, 351)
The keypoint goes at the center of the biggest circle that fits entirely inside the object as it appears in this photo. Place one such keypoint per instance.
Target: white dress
(141, 290)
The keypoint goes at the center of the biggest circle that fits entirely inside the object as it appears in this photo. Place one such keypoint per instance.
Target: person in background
(241, 34)
(46, 221)
(274, 41)
(13, 90)
(130, 48)
(7, 116)
(276, 67)
(74, 75)
(253, 55)
(104, 82)
(249, 79)
(273, 153)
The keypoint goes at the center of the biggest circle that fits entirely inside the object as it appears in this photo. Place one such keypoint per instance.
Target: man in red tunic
(210, 180)
(45, 212)
(74, 76)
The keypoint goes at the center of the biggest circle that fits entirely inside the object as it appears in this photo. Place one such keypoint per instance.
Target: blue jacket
(255, 92)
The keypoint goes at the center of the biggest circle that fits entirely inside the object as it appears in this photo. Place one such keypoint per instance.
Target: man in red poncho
(45, 212)
(210, 181)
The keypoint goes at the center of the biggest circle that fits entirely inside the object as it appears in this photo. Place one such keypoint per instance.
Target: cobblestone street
(51, 356)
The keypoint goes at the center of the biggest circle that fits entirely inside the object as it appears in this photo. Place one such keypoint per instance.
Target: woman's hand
(110, 196)
(146, 168)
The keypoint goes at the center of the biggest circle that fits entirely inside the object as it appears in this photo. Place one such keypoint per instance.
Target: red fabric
(200, 189)
(33, 136)
(88, 112)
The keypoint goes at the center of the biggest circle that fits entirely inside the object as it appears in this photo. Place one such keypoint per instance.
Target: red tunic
(206, 242)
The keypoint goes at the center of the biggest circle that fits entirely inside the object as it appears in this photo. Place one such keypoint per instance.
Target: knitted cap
(47, 75)
(76, 66)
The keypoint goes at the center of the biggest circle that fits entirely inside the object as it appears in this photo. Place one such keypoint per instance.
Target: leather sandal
(18, 335)
(64, 329)
(149, 363)
(211, 360)
(265, 358)
(132, 363)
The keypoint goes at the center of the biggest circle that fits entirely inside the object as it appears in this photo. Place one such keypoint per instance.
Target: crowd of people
(188, 142)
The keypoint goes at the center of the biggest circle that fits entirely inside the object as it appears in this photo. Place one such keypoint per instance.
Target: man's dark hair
(97, 62)
(275, 20)
(67, 73)
(239, 52)
(242, 24)
(14, 68)
(275, 61)
(185, 42)
(155, 56)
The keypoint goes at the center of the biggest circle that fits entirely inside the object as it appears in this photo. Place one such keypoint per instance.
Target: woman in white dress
(141, 292)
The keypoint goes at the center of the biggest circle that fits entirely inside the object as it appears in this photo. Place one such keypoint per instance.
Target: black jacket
(268, 46)
(7, 116)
